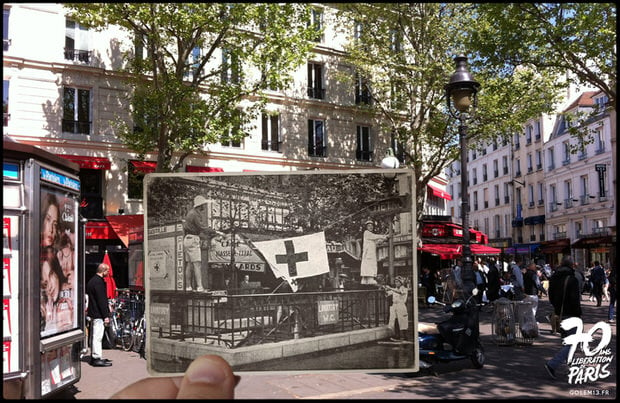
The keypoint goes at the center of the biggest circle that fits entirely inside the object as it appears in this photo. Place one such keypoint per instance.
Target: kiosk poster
(242, 265)
(58, 262)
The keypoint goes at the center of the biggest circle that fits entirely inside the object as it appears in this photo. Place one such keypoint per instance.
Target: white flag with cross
(298, 257)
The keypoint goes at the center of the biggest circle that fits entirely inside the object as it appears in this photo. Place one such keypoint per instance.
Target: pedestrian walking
(99, 312)
(597, 277)
(493, 283)
(532, 286)
(564, 296)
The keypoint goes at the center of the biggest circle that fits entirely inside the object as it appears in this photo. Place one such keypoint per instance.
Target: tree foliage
(199, 61)
(561, 38)
(405, 53)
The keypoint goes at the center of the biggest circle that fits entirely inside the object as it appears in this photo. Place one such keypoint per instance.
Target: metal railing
(233, 321)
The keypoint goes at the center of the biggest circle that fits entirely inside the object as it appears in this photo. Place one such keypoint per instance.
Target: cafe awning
(454, 250)
(592, 242)
(122, 225)
(88, 162)
(144, 167)
(479, 249)
(195, 168)
(435, 191)
(443, 250)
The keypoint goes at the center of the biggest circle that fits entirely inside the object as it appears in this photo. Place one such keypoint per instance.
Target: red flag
(109, 279)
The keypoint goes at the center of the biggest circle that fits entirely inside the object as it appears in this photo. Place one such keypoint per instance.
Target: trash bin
(503, 322)
(525, 324)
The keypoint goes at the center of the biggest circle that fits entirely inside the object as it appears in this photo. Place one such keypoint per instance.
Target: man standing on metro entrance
(196, 231)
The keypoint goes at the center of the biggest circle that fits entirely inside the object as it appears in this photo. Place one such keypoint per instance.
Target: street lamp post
(390, 162)
(461, 93)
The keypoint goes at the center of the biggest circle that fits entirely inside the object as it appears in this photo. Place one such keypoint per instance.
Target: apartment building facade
(539, 195)
(65, 91)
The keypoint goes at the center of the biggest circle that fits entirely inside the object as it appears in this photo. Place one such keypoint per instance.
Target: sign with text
(328, 312)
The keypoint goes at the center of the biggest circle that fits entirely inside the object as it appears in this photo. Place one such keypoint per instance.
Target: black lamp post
(461, 93)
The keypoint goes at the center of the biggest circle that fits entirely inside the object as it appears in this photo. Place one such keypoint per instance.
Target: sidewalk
(510, 372)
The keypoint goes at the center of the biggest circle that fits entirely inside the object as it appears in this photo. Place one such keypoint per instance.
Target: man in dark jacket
(99, 312)
(597, 277)
(565, 298)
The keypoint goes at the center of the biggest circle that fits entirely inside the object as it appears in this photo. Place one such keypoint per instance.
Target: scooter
(456, 338)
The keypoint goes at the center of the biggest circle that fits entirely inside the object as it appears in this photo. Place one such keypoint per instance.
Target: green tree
(561, 38)
(404, 54)
(199, 70)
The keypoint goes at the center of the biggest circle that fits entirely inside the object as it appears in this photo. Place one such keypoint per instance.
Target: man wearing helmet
(196, 230)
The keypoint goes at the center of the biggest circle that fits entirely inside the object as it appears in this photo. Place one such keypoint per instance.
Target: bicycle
(120, 328)
(139, 336)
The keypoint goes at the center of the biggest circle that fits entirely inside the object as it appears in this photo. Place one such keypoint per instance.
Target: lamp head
(390, 161)
(462, 87)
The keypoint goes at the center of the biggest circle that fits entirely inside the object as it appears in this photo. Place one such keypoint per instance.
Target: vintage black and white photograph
(295, 271)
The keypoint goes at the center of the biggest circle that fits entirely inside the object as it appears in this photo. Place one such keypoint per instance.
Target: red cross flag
(299, 257)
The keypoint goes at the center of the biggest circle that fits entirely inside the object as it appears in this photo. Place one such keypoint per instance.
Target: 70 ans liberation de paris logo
(594, 365)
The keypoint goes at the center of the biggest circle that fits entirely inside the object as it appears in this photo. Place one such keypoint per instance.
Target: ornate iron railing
(242, 320)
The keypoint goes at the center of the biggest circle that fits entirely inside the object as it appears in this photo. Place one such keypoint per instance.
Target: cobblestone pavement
(510, 372)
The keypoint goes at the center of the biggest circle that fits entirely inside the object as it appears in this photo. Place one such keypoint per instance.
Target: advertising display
(58, 262)
(43, 266)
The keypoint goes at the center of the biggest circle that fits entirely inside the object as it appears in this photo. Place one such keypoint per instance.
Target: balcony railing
(75, 126)
(559, 235)
(233, 321)
(78, 55)
(316, 93)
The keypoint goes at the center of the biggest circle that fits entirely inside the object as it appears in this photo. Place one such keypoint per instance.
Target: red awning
(88, 162)
(122, 224)
(99, 230)
(454, 250)
(439, 193)
(145, 167)
(478, 249)
(443, 250)
(194, 168)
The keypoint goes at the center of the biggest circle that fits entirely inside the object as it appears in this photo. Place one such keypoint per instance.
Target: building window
(541, 194)
(316, 21)
(231, 68)
(397, 147)
(76, 111)
(193, 63)
(566, 150)
(270, 132)
(317, 141)
(6, 42)
(396, 40)
(599, 141)
(484, 173)
(91, 193)
(364, 147)
(528, 134)
(135, 177)
(362, 91)
(77, 42)
(495, 169)
(315, 81)
(475, 176)
(530, 195)
(550, 156)
(517, 167)
(5, 103)
(505, 165)
(538, 160)
(530, 165)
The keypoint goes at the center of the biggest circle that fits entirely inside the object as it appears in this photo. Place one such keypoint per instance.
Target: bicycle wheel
(126, 338)
(138, 336)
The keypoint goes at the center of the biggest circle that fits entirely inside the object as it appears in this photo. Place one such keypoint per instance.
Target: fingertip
(208, 377)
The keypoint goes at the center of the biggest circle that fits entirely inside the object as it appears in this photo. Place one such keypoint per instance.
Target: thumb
(208, 377)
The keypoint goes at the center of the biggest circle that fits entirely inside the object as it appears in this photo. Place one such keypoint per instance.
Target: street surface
(510, 372)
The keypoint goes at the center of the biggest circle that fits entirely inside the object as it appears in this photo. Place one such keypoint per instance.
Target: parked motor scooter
(456, 338)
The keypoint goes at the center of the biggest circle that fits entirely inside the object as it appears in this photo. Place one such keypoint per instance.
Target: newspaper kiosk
(43, 275)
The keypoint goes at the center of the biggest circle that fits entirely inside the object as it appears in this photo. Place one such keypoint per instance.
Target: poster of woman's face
(58, 282)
